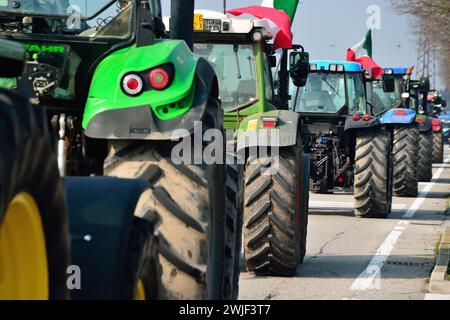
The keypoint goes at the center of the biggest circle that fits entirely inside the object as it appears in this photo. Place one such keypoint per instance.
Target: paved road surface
(350, 258)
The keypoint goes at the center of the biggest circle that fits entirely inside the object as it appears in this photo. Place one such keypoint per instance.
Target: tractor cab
(334, 89)
(392, 97)
(65, 41)
(242, 56)
(238, 51)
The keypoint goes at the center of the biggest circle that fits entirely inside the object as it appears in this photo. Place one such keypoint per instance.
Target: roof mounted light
(333, 67)
(389, 71)
(313, 67)
(340, 68)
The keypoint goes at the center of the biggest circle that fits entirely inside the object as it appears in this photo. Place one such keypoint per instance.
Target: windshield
(93, 19)
(388, 99)
(235, 66)
(323, 93)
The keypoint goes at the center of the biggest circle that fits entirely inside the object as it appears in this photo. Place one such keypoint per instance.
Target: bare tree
(431, 19)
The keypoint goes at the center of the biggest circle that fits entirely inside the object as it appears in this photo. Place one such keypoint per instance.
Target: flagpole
(224, 6)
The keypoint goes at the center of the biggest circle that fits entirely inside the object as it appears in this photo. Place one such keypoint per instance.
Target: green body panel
(419, 116)
(8, 83)
(105, 91)
(237, 119)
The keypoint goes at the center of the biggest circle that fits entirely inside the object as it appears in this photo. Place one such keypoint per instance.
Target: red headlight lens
(159, 78)
(132, 84)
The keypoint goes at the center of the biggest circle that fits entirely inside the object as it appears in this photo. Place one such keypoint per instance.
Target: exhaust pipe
(182, 21)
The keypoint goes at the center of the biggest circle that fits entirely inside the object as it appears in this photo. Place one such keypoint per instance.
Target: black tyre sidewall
(29, 165)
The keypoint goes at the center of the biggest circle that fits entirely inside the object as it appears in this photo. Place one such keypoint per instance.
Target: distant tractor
(390, 96)
(348, 148)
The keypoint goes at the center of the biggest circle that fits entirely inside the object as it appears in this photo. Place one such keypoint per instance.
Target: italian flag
(278, 21)
(288, 6)
(362, 53)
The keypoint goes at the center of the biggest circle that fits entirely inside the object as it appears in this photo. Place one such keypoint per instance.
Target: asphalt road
(351, 258)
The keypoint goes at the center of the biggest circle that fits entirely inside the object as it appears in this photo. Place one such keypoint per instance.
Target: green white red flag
(362, 53)
(278, 21)
(288, 6)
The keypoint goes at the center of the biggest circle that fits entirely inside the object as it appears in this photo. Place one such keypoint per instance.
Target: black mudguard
(140, 123)
(101, 211)
(351, 124)
(425, 126)
(287, 126)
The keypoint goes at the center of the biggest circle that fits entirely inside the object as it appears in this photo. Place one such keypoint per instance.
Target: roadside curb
(438, 284)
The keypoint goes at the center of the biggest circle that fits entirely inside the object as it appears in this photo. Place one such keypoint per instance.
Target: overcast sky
(326, 28)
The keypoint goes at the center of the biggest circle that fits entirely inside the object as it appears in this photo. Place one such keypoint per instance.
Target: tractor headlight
(257, 36)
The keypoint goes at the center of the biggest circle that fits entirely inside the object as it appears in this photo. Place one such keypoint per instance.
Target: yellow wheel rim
(23, 255)
(139, 294)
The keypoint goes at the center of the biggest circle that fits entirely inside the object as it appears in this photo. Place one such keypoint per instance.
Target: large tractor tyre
(425, 156)
(235, 207)
(275, 215)
(141, 271)
(373, 174)
(194, 236)
(34, 237)
(438, 148)
(405, 151)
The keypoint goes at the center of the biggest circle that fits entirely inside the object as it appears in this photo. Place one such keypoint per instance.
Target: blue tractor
(347, 145)
(406, 110)
(385, 95)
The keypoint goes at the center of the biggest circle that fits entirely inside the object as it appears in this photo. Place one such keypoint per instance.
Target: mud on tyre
(275, 215)
(197, 241)
(438, 148)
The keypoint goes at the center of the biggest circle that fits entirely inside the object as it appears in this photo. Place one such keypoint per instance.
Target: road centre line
(344, 205)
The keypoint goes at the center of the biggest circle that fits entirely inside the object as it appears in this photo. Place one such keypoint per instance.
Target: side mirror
(12, 59)
(299, 67)
(272, 61)
(388, 84)
(444, 103)
(424, 85)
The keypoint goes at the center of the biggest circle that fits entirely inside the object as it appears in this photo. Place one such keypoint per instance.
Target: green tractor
(263, 134)
(105, 246)
(125, 100)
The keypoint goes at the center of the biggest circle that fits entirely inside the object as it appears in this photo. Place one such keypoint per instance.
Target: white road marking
(431, 296)
(344, 205)
(373, 271)
(422, 195)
